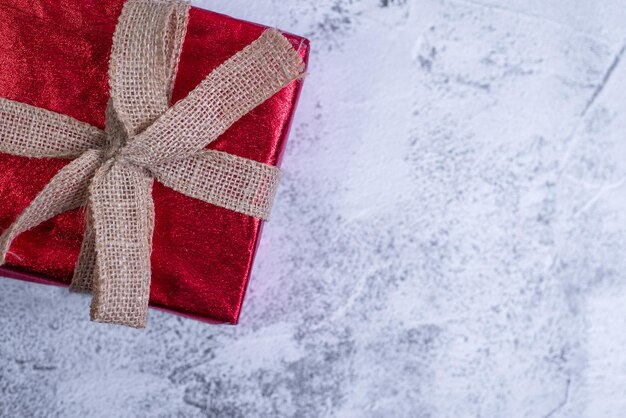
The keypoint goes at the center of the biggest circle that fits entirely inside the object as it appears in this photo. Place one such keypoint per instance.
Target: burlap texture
(29, 131)
(145, 138)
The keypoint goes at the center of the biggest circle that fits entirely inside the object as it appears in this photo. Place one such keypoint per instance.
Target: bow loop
(144, 58)
(228, 93)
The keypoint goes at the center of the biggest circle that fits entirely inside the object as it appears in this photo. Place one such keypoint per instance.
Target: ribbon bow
(113, 170)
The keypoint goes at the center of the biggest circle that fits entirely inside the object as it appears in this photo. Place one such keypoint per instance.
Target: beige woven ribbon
(112, 171)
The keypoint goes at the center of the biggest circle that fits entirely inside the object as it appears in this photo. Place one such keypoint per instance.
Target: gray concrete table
(448, 239)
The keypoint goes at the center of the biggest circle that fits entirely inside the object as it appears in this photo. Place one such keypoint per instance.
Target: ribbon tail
(85, 269)
(122, 211)
(66, 191)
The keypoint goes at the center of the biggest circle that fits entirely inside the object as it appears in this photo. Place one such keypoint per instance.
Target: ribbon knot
(114, 144)
(113, 171)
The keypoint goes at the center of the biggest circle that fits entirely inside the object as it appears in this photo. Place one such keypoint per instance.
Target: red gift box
(55, 56)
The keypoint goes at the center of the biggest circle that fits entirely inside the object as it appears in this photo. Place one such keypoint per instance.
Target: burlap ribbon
(113, 170)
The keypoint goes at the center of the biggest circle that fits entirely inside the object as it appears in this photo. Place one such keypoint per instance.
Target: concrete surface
(448, 240)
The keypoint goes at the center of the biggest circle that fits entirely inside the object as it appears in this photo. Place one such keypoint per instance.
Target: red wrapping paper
(54, 55)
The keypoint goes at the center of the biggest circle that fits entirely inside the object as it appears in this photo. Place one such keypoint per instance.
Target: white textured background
(448, 240)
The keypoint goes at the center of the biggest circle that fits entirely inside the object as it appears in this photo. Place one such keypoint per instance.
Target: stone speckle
(448, 239)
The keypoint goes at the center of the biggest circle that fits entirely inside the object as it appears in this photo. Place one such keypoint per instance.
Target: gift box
(55, 55)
